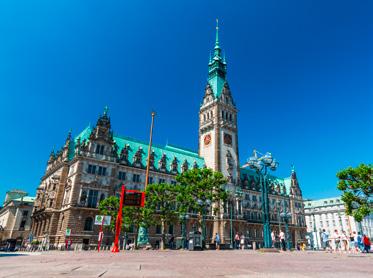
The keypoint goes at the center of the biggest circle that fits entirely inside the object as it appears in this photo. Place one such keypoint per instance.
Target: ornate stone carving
(174, 165)
(185, 166)
(163, 163)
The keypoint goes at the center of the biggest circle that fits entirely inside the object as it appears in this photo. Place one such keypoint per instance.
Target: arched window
(230, 117)
(88, 224)
(212, 115)
(222, 114)
(204, 117)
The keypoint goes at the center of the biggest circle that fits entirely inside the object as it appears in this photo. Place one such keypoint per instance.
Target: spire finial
(217, 33)
(292, 168)
(106, 109)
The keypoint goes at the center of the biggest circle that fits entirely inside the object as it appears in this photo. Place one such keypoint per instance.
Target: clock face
(207, 139)
(227, 139)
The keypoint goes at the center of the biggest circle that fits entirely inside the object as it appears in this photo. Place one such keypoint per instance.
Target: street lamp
(238, 194)
(204, 204)
(286, 215)
(184, 217)
(261, 164)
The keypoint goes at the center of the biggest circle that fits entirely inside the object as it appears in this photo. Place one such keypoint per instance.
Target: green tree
(198, 187)
(110, 206)
(357, 186)
(131, 216)
(161, 203)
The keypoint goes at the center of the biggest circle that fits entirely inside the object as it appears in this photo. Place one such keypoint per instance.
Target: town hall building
(92, 165)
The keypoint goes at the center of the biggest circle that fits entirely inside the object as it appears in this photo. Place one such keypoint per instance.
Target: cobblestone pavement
(185, 264)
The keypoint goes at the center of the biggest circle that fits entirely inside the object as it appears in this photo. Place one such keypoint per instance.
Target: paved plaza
(185, 264)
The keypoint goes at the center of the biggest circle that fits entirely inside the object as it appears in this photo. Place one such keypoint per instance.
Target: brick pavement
(186, 264)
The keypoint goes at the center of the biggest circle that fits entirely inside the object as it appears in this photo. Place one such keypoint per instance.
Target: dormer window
(100, 149)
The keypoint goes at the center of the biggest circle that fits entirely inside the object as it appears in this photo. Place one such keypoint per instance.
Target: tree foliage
(357, 186)
(197, 186)
(110, 206)
(161, 201)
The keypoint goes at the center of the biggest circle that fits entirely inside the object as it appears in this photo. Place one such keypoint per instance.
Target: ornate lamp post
(237, 194)
(204, 204)
(184, 217)
(261, 164)
(316, 246)
(286, 215)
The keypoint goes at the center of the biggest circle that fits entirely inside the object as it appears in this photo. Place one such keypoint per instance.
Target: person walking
(237, 241)
(325, 240)
(242, 242)
(352, 243)
(366, 243)
(282, 240)
(217, 241)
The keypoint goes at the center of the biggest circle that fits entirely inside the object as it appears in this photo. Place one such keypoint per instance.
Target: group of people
(239, 241)
(353, 243)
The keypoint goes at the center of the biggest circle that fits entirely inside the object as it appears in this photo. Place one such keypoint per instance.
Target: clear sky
(300, 73)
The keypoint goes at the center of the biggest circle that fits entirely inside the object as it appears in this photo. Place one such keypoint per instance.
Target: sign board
(134, 198)
(68, 232)
(103, 220)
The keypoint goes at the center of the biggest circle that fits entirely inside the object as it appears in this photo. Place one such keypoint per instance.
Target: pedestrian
(366, 243)
(217, 241)
(273, 237)
(352, 243)
(359, 240)
(344, 241)
(282, 240)
(337, 241)
(325, 240)
(242, 242)
(237, 241)
(171, 242)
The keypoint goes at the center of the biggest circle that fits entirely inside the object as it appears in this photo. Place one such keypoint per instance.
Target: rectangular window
(25, 213)
(101, 171)
(122, 176)
(150, 181)
(91, 169)
(136, 178)
(100, 149)
(162, 180)
(254, 198)
(171, 229)
(92, 198)
(173, 182)
(22, 226)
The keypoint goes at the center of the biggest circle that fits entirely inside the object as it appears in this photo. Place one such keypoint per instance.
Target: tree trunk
(163, 235)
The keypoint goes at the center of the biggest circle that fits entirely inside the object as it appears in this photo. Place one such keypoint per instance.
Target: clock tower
(218, 140)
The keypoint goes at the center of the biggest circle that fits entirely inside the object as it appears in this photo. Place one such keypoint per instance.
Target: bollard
(254, 245)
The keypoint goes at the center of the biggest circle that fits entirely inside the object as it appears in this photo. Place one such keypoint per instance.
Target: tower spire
(217, 47)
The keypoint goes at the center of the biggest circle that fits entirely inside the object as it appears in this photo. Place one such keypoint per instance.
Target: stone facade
(330, 214)
(95, 163)
(15, 217)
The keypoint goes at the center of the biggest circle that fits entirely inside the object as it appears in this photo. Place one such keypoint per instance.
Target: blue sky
(300, 73)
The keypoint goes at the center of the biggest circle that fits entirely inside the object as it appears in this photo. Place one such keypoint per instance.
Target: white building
(329, 214)
(15, 217)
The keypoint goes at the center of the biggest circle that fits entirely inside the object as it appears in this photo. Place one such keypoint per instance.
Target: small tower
(218, 140)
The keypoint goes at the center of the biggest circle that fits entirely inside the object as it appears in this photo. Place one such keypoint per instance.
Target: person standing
(337, 241)
(242, 242)
(345, 241)
(273, 237)
(352, 242)
(237, 241)
(282, 240)
(325, 240)
(359, 241)
(217, 241)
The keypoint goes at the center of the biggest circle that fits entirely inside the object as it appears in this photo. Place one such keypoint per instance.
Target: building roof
(27, 199)
(171, 152)
(322, 202)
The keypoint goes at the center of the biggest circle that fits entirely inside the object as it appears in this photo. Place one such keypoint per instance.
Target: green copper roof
(170, 151)
(217, 68)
